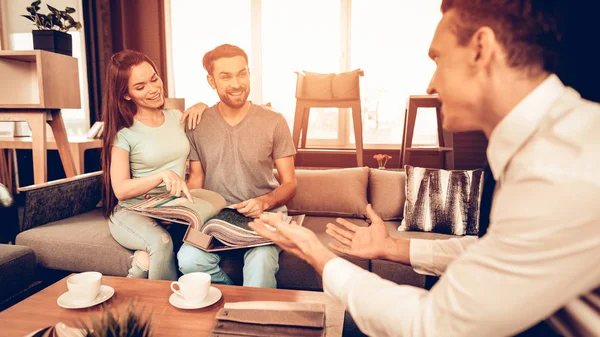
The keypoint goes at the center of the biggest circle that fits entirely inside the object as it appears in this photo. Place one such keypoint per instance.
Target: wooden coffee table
(41, 310)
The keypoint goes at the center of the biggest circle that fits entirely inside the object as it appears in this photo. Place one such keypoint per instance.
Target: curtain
(3, 42)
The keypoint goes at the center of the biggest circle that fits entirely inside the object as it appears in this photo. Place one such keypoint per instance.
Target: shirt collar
(516, 127)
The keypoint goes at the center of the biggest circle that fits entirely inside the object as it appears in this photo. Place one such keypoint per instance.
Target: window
(300, 35)
(196, 28)
(387, 39)
(391, 47)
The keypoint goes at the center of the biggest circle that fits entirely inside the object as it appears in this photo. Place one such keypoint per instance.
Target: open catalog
(212, 226)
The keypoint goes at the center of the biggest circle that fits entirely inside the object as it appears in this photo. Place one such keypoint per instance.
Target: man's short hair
(527, 29)
(224, 50)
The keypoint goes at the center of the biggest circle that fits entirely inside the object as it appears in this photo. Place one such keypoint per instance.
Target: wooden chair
(445, 138)
(304, 102)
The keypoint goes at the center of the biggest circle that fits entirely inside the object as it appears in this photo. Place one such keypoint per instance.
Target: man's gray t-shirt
(238, 160)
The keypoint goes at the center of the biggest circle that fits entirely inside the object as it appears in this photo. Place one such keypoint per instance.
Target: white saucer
(67, 301)
(213, 296)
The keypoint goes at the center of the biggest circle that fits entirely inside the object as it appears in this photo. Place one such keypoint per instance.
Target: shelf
(37, 79)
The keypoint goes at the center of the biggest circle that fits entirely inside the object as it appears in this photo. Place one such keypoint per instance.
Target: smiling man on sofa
(233, 152)
(495, 73)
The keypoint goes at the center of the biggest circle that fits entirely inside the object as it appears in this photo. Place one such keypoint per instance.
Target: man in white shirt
(495, 61)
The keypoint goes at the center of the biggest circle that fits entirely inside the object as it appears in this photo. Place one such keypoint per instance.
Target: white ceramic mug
(193, 287)
(85, 286)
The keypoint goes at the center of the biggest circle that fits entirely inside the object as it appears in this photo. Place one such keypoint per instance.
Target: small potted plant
(382, 160)
(52, 28)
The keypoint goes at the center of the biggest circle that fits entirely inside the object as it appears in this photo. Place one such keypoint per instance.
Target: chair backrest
(175, 103)
(328, 87)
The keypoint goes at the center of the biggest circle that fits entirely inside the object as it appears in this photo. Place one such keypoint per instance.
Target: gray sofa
(17, 273)
(64, 227)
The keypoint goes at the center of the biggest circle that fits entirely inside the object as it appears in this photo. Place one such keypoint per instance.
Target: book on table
(270, 318)
(212, 225)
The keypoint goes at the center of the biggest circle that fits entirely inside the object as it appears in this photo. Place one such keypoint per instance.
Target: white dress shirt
(542, 248)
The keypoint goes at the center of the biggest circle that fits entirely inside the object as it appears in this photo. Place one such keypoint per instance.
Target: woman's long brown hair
(117, 113)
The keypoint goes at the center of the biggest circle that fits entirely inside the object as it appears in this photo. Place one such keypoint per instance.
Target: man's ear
(211, 81)
(484, 47)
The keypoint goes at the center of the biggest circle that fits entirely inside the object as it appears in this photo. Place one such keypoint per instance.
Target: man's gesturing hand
(292, 238)
(363, 242)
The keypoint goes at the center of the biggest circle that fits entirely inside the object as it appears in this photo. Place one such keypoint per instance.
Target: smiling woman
(144, 153)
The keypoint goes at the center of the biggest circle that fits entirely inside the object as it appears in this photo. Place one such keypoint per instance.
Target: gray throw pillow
(442, 201)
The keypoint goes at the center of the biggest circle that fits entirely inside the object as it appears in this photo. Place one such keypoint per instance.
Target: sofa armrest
(60, 199)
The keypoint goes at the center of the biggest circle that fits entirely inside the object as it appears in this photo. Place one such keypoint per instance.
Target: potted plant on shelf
(52, 28)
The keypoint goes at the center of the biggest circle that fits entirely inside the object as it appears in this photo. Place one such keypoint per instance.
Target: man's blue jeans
(260, 265)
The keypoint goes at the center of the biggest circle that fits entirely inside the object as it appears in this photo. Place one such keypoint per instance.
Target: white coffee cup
(193, 287)
(84, 287)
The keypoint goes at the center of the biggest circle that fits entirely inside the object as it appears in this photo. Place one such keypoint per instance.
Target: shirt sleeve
(283, 145)
(194, 155)
(432, 257)
(532, 261)
(122, 142)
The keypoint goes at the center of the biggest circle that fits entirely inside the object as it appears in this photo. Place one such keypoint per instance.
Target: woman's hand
(175, 185)
(193, 115)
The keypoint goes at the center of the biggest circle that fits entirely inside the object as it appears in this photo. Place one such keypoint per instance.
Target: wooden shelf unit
(37, 79)
(34, 86)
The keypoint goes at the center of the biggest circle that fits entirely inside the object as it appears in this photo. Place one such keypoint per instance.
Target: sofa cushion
(17, 269)
(79, 243)
(346, 85)
(338, 193)
(386, 193)
(442, 201)
(398, 272)
(316, 86)
(70, 197)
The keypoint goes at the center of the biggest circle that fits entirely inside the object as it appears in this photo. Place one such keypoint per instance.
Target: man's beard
(237, 101)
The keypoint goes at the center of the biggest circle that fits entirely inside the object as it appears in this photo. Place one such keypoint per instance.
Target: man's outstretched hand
(292, 238)
(364, 242)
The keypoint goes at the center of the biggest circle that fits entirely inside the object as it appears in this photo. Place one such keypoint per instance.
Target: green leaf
(70, 10)
(36, 3)
(68, 18)
(29, 17)
(57, 22)
(53, 10)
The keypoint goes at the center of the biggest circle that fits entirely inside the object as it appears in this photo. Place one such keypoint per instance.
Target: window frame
(345, 127)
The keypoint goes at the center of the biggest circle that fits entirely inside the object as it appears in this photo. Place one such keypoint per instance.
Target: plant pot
(53, 41)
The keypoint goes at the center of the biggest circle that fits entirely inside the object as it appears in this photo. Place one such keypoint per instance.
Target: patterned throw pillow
(442, 201)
